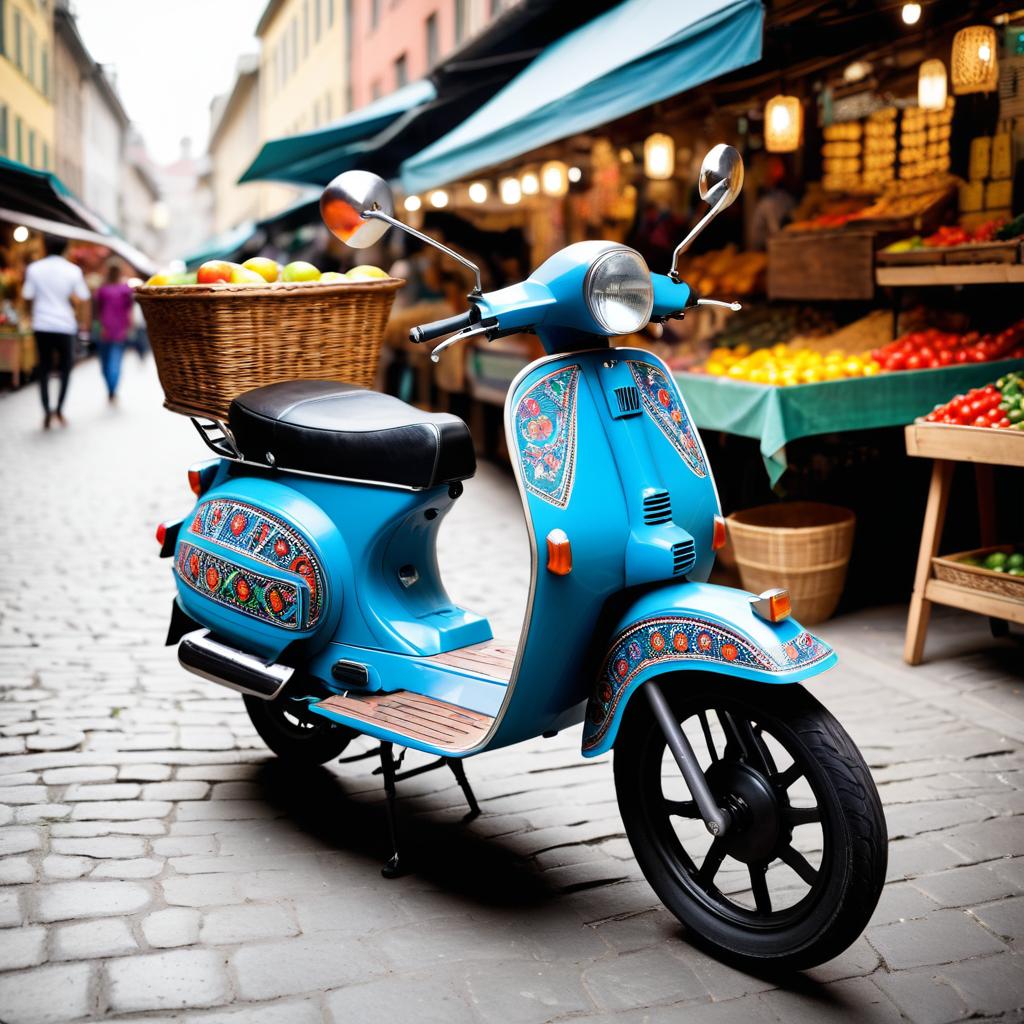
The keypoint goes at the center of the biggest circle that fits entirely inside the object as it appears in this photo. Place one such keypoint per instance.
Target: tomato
(914, 362)
(964, 412)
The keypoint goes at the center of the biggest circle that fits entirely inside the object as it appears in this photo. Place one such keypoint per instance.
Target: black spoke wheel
(795, 878)
(294, 739)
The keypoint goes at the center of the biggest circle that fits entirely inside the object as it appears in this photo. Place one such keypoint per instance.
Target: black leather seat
(320, 426)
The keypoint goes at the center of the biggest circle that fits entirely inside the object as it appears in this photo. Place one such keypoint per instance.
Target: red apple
(214, 270)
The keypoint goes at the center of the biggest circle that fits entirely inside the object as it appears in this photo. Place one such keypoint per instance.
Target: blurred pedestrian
(114, 301)
(774, 206)
(56, 290)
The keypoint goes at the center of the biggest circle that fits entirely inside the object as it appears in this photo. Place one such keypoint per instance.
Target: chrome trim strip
(210, 659)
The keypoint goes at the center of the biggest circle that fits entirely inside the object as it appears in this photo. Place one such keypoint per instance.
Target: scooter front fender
(700, 626)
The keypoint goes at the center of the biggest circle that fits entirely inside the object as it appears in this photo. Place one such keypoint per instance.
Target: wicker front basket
(803, 546)
(951, 569)
(215, 342)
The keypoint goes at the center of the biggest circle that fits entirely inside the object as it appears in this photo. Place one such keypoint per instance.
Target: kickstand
(459, 771)
(393, 868)
(389, 770)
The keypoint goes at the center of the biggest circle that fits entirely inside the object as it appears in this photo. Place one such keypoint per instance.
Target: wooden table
(947, 444)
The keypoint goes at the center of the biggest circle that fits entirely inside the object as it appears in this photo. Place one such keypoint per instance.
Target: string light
(911, 14)
(412, 203)
(478, 192)
(439, 198)
(510, 191)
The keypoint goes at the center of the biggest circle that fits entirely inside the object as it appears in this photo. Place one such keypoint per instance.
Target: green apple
(367, 273)
(267, 268)
(300, 270)
(332, 277)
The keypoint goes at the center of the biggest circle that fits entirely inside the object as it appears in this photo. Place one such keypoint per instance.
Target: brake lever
(484, 327)
(734, 306)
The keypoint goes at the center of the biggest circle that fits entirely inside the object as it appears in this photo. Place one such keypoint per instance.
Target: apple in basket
(332, 277)
(366, 273)
(300, 270)
(268, 269)
(213, 271)
(243, 275)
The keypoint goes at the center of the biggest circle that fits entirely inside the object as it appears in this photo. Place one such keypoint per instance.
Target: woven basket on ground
(802, 546)
(215, 342)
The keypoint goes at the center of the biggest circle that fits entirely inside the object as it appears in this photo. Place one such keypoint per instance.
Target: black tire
(843, 889)
(297, 742)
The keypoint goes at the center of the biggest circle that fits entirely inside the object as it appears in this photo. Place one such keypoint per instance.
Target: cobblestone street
(157, 864)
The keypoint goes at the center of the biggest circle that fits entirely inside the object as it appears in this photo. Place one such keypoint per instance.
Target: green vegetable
(1015, 572)
(995, 560)
(1011, 230)
(1015, 415)
(1015, 561)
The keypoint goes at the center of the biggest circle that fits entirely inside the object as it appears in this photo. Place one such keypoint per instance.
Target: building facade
(26, 82)
(71, 66)
(303, 75)
(399, 41)
(141, 205)
(234, 142)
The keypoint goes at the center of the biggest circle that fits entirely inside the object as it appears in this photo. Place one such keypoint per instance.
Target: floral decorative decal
(663, 404)
(683, 638)
(246, 528)
(272, 600)
(546, 434)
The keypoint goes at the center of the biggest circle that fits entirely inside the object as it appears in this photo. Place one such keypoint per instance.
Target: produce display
(787, 364)
(997, 229)
(726, 272)
(758, 326)
(999, 405)
(259, 270)
(932, 348)
(1010, 562)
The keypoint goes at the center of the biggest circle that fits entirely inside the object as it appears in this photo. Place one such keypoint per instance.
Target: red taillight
(718, 535)
(161, 533)
(195, 481)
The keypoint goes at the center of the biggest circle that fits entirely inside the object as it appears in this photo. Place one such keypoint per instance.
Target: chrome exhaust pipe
(203, 656)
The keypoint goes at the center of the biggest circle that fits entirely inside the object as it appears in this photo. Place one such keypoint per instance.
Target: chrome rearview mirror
(358, 209)
(720, 182)
(350, 207)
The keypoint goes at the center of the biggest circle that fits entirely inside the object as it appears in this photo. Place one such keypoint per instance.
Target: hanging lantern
(510, 191)
(973, 65)
(529, 183)
(931, 85)
(478, 192)
(659, 156)
(554, 178)
(783, 124)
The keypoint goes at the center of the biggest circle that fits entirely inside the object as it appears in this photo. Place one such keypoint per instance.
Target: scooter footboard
(695, 626)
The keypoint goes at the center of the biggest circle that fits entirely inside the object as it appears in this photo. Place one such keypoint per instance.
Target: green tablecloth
(777, 415)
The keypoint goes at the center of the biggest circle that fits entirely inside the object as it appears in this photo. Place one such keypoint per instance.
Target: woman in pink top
(114, 312)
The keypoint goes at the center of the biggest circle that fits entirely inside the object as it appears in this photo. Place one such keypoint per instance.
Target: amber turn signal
(559, 553)
(772, 605)
(718, 535)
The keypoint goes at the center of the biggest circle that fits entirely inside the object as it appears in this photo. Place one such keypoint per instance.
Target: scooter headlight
(619, 292)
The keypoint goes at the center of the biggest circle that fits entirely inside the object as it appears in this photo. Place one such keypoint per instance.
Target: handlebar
(449, 325)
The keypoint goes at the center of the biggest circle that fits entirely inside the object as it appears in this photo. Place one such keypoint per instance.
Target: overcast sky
(171, 59)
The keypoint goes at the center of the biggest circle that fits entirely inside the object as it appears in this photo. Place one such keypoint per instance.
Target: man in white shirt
(56, 289)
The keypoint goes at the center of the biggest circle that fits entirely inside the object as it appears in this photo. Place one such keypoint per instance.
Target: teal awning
(307, 158)
(627, 58)
(223, 246)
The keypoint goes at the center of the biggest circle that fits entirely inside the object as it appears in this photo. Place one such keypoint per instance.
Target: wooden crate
(984, 252)
(821, 265)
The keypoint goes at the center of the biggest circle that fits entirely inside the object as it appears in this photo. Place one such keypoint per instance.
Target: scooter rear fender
(695, 626)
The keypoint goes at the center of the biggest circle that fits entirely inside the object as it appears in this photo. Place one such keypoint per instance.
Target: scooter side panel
(695, 626)
(568, 481)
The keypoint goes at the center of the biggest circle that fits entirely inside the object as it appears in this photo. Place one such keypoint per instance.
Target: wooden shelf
(952, 443)
(981, 602)
(951, 274)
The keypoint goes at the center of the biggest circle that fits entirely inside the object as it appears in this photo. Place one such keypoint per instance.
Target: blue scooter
(307, 580)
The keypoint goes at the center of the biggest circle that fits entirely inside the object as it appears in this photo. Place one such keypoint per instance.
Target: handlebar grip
(439, 328)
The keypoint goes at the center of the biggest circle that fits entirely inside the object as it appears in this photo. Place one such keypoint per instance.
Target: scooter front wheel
(293, 739)
(795, 878)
